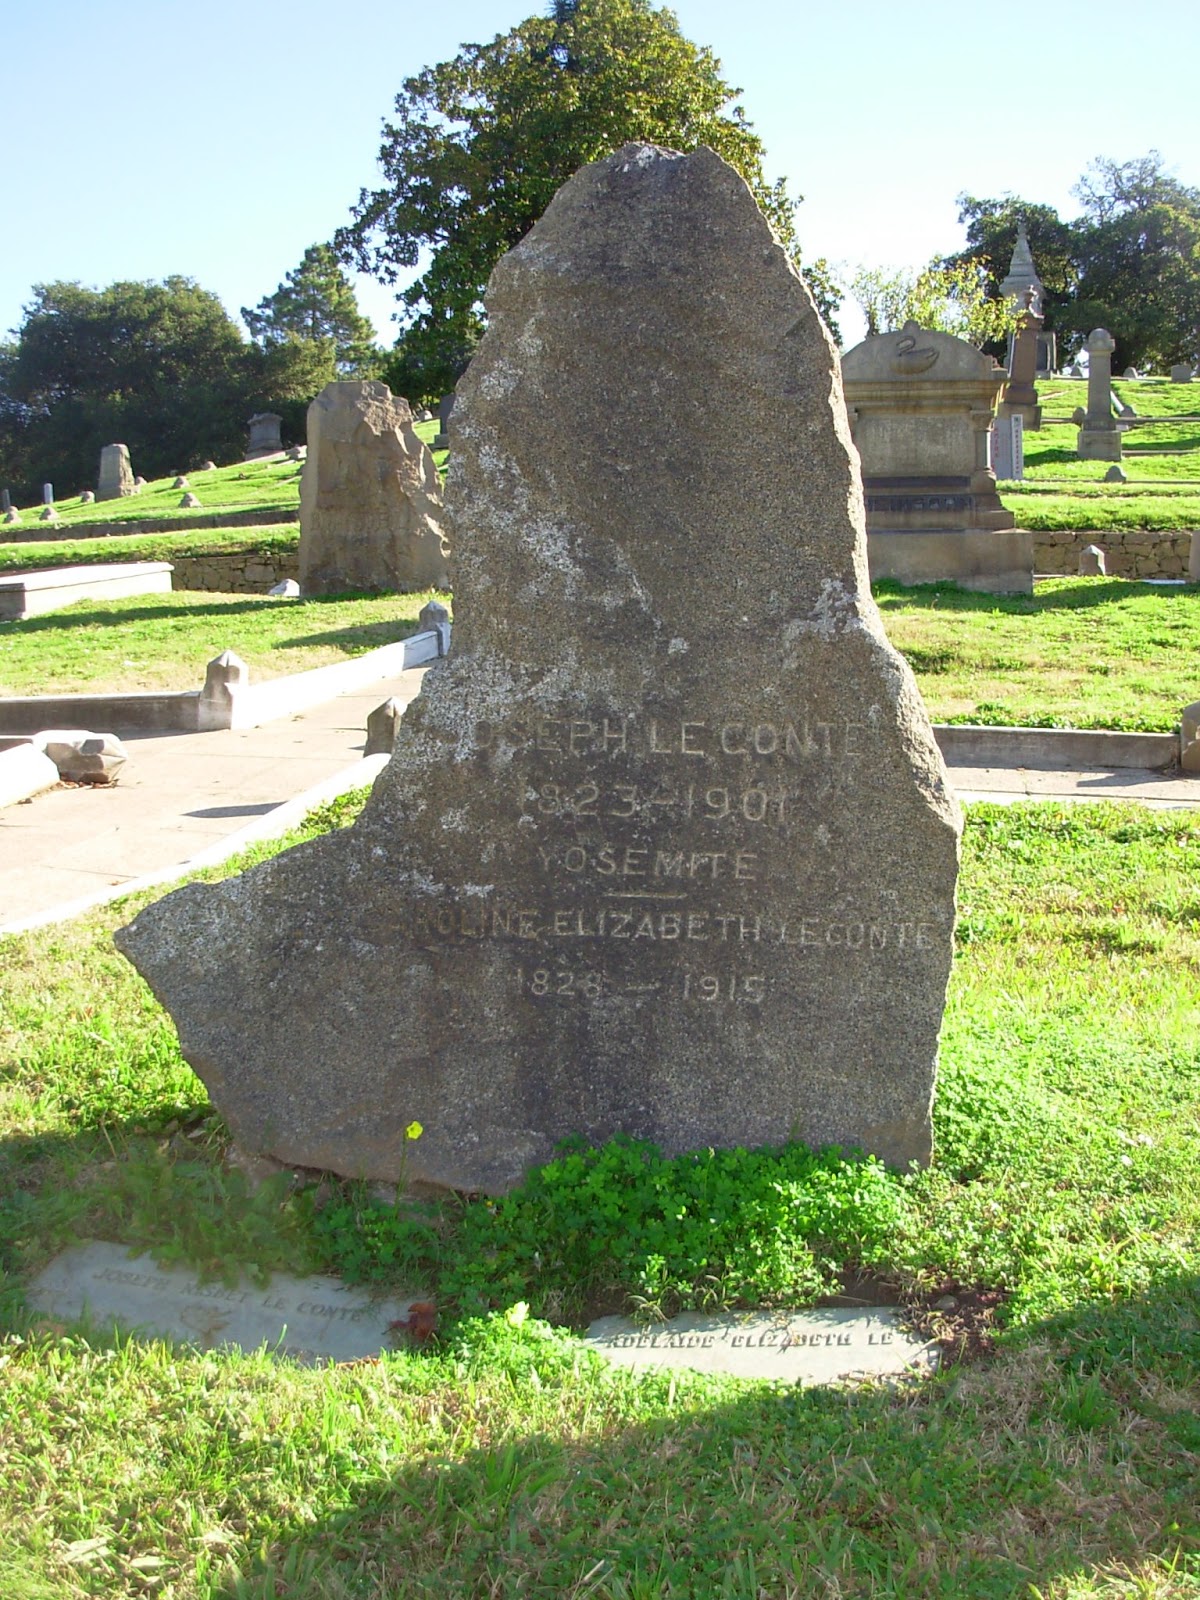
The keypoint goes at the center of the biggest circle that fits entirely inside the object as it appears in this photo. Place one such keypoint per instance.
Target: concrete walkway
(191, 798)
(181, 795)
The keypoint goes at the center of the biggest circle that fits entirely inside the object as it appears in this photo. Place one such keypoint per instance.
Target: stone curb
(269, 826)
(1055, 749)
(189, 711)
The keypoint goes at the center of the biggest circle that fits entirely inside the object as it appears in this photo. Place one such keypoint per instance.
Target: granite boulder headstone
(666, 845)
(371, 512)
(116, 475)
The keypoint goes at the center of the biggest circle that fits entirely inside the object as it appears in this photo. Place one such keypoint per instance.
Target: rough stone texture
(921, 406)
(82, 756)
(371, 512)
(666, 844)
(237, 571)
(1189, 738)
(116, 474)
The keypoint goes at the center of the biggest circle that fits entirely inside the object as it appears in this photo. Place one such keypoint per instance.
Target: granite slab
(310, 1319)
(834, 1344)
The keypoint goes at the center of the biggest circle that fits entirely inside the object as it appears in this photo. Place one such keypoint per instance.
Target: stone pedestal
(1099, 437)
(1020, 394)
(921, 406)
(265, 439)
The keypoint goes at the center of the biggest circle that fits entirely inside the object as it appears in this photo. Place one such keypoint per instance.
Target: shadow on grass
(355, 638)
(1074, 1448)
(1070, 1452)
(1082, 594)
(102, 616)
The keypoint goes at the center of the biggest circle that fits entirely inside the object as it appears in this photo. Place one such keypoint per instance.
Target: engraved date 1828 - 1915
(564, 983)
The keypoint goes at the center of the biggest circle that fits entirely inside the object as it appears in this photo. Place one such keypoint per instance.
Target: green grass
(164, 641)
(245, 486)
(1149, 397)
(1078, 653)
(271, 539)
(505, 1461)
(1044, 510)
(1161, 462)
(267, 485)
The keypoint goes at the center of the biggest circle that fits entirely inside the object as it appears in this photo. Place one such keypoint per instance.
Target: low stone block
(24, 771)
(310, 1319)
(827, 1345)
(1092, 563)
(82, 756)
(383, 724)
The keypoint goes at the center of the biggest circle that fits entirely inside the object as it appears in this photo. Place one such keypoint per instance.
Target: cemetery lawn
(272, 539)
(164, 641)
(270, 484)
(1077, 653)
(1057, 1461)
(1161, 462)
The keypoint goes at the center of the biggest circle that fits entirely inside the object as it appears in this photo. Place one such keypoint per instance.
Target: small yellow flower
(413, 1131)
(517, 1314)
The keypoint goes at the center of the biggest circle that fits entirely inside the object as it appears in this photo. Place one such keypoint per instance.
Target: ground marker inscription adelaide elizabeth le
(666, 845)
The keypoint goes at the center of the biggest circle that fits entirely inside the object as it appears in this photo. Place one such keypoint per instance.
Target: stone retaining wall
(235, 571)
(1127, 554)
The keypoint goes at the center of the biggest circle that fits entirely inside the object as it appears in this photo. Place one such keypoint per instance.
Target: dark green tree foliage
(1139, 259)
(160, 367)
(481, 143)
(316, 304)
(1130, 263)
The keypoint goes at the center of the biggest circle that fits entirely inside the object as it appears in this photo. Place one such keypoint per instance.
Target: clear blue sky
(142, 138)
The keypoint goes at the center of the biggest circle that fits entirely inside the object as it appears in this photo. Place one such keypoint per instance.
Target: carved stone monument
(371, 513)
(1099, 437)
(1020, 397)
(116, 474)
(921, 406)
(265, 439)
(666, 844)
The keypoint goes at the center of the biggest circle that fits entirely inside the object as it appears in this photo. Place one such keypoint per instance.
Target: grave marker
(116, 475)
(310, 1319)
(666, 845)
(826, 1345)
(1099, 437)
